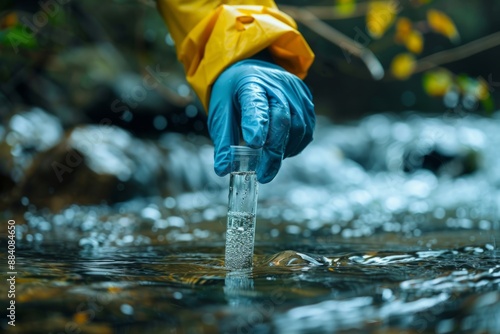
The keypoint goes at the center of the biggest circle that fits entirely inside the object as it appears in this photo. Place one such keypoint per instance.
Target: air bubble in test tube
(242, 207)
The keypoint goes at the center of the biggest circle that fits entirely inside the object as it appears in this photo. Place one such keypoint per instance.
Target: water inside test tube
(240, 238)
(242, 207)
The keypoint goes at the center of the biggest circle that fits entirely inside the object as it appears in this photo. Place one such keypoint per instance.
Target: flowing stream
(381, 226)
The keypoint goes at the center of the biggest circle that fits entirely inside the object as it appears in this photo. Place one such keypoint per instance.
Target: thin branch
(458, 53)
(334, 13)
(336, 37)
(149, 3)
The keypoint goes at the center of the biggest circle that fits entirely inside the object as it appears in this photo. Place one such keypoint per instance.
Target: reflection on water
(342, 244)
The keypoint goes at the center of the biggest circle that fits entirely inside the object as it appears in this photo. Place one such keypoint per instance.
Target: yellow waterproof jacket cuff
(233, 33)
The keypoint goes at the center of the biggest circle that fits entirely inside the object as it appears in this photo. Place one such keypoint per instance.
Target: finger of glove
(276, 141)
(222, 124)
(303, 119)
(254, 109)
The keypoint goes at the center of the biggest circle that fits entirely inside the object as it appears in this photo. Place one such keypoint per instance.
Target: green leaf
(18, 37)
(488, 105)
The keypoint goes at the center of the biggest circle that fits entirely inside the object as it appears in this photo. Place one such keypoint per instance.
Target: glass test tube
(242, 207)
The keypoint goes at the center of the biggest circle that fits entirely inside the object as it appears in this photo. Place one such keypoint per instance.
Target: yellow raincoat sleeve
(210, 35)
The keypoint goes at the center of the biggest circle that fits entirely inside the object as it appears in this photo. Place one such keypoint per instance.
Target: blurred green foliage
(78, 45)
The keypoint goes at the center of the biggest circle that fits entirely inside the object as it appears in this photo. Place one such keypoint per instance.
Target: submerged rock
(388, 142)
(40, 165)
(452, 163)
(25, 135)
(93, 164)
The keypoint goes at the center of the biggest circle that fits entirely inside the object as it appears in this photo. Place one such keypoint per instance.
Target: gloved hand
(272, 107)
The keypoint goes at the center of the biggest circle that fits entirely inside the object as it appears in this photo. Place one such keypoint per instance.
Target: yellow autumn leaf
(403, 65)
(380, 17)
(345, 7)
(442, 24)
(403, 29)
(437, 83)
(81, 318)
(483, 89)
(415, 42)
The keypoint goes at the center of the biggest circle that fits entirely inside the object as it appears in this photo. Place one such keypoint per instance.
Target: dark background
(92, 53)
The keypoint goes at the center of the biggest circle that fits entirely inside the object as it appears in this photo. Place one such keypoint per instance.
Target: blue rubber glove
(272, 107)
